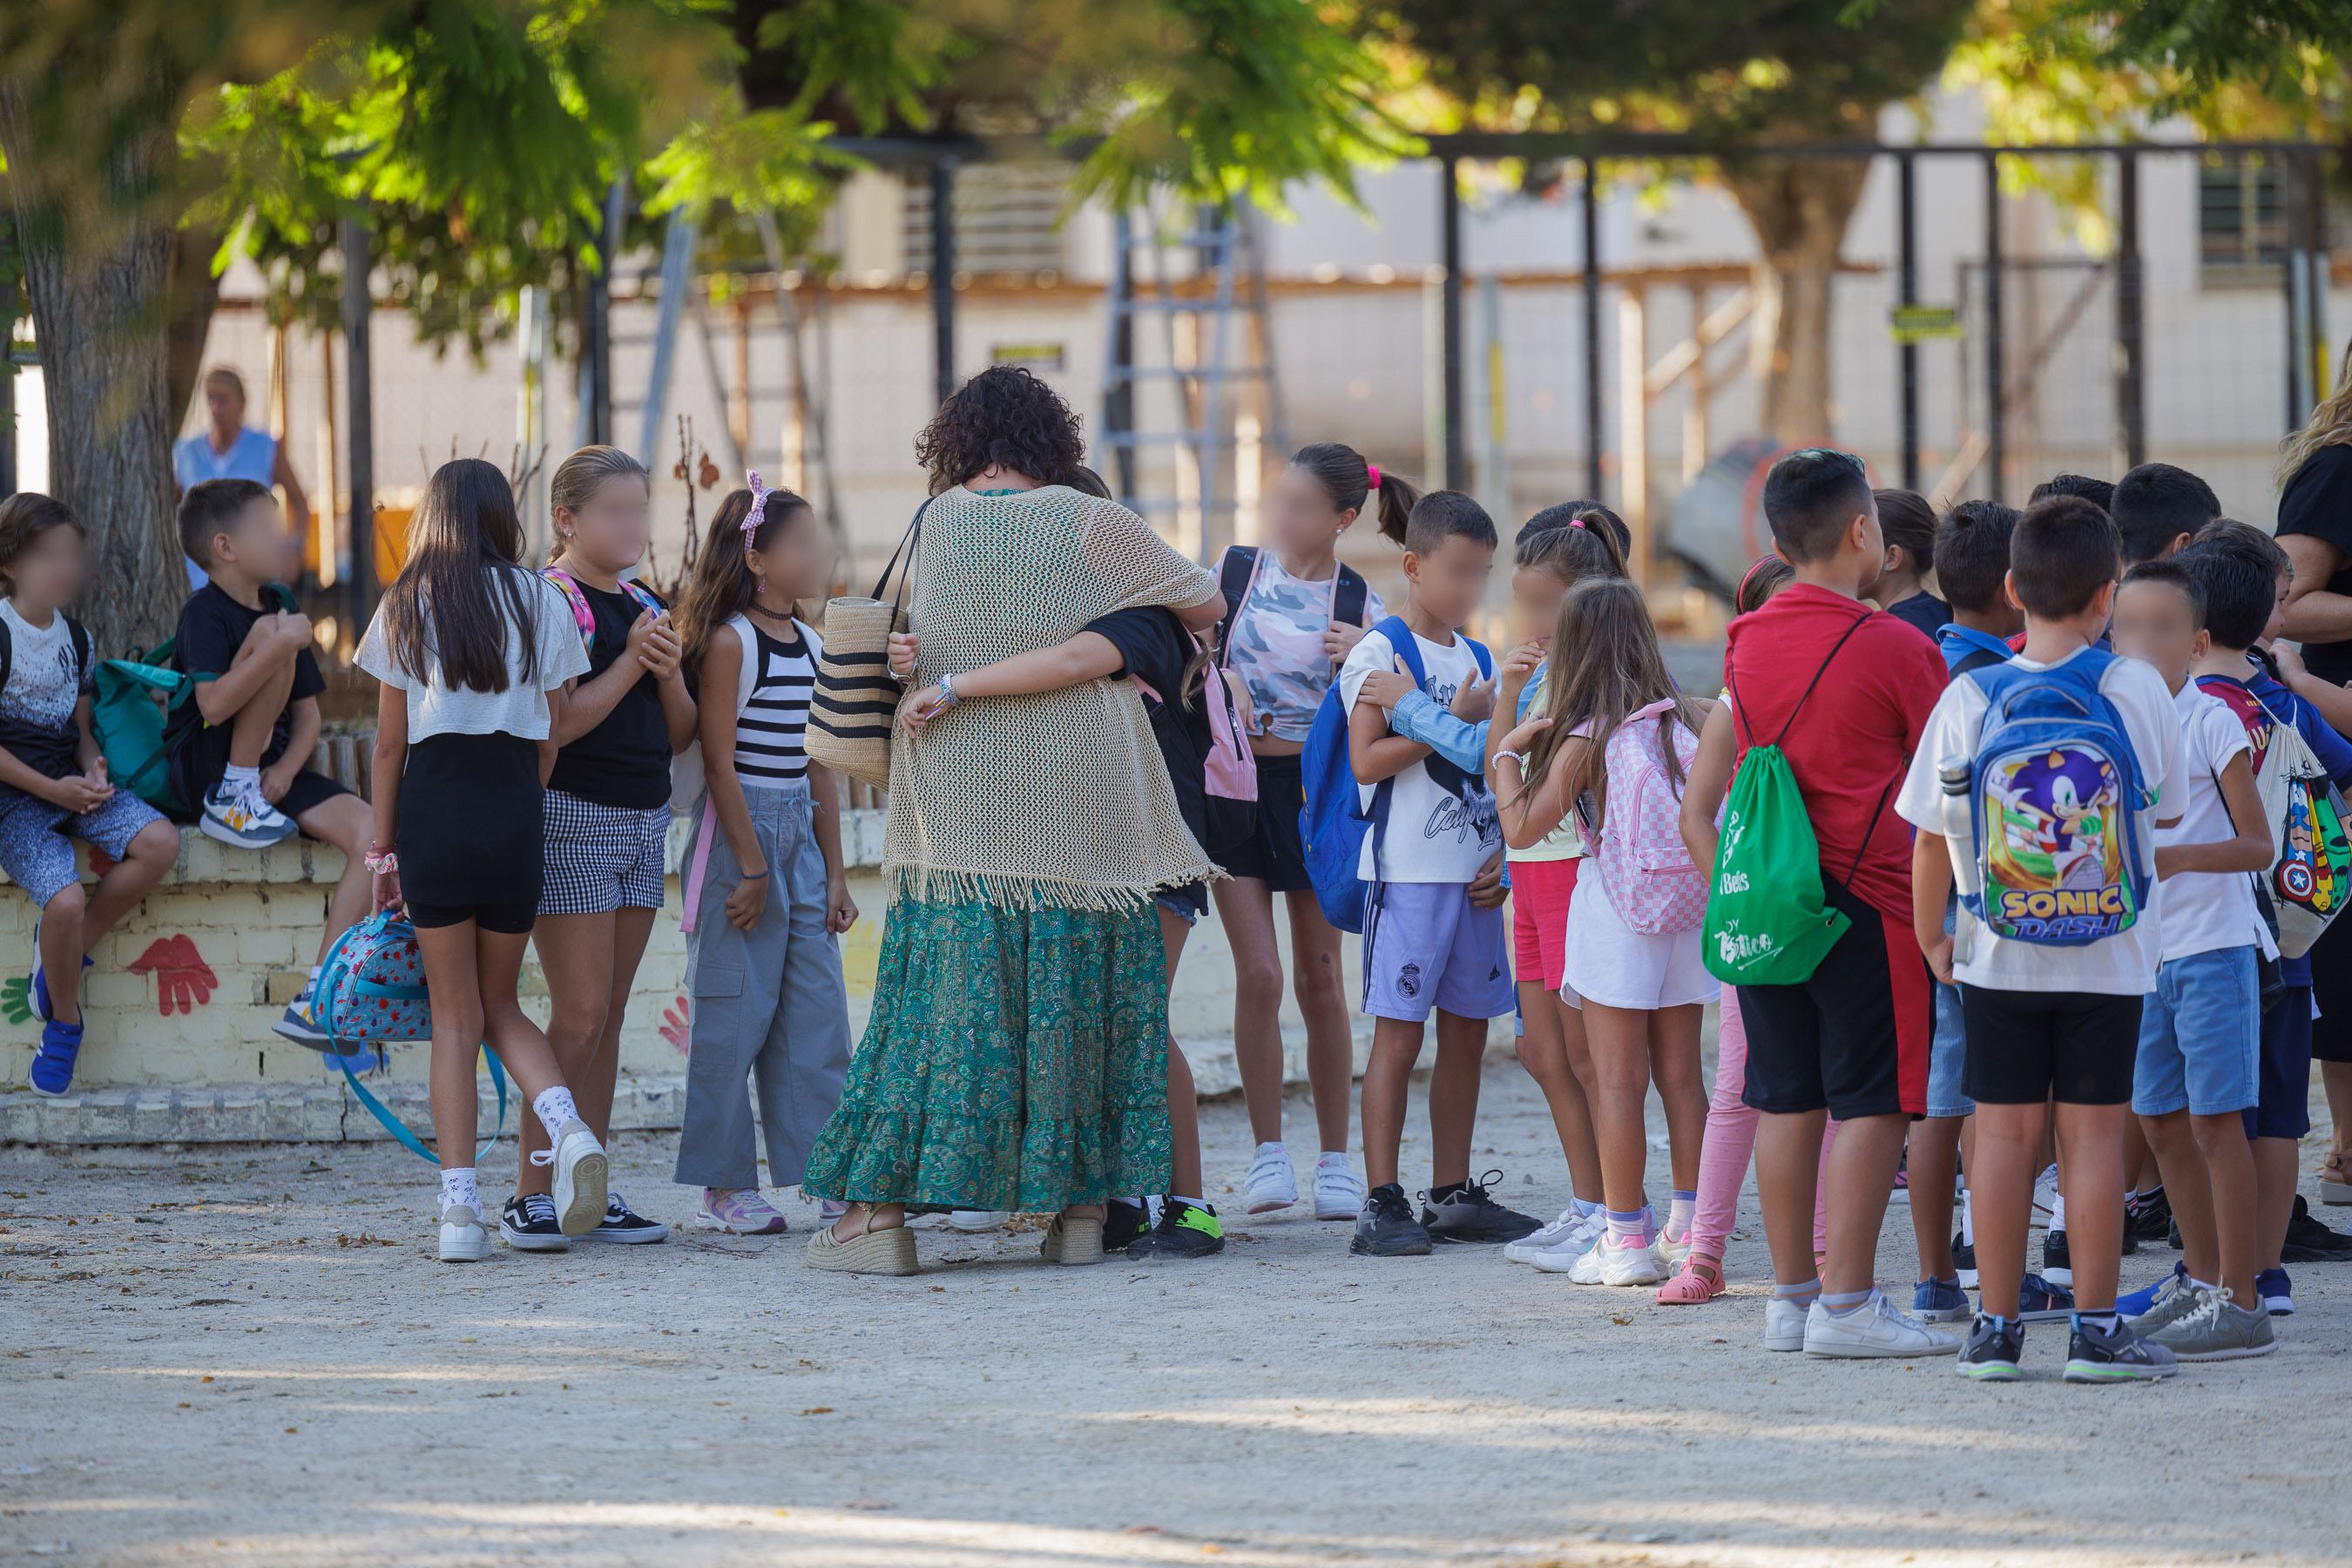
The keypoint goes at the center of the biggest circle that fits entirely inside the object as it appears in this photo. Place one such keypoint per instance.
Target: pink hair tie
(1577, 523)
(759, 512)
(1372, 475)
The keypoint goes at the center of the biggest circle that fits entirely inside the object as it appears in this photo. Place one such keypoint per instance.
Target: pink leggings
(1731, 1139)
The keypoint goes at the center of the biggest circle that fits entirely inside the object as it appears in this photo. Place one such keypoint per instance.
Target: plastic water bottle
(1957, 774)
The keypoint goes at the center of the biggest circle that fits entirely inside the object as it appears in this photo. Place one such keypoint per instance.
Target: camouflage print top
(1277, 645)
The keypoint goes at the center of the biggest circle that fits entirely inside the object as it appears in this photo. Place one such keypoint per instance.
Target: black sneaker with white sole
(2309, 1241)
(2057, 1262)
(1468, 1214)
(528, 1224)
(1964, 1261)
(1386, 1228)
(2147, 1216)
(623, 1224)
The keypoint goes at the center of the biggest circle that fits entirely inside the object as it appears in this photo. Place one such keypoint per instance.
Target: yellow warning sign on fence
(1919, 323)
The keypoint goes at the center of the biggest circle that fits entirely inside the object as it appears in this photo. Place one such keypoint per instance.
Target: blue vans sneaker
(1938, 1301)
(2140, 1303)
(2273, 1286)
(2039, 1301)
(53, 1064)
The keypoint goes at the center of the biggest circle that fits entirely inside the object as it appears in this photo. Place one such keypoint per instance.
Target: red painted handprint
(183, 981)
(675, 1025)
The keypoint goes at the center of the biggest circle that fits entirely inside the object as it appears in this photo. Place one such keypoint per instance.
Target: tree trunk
(191, 292)
(1799, 208)
(95, 266)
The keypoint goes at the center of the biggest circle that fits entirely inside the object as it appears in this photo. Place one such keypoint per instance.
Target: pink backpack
(1229, 770)
(1644, 866)
(583, 616)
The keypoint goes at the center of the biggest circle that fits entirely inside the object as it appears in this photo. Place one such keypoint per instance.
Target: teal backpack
(143, 703)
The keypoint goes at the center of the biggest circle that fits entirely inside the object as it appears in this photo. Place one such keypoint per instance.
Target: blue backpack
(1333, 822)
(2054, 797)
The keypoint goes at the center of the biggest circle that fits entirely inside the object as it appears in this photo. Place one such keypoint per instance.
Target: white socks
(2058, 1212)
(1680, 1208)
(1968, 1220)
(554, 1108)
(458, 1189)
(237, 781)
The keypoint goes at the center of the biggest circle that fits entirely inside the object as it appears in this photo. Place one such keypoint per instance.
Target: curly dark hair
(1003, 417)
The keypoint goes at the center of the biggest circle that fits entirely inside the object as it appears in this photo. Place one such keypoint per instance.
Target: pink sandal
(1699, 1281)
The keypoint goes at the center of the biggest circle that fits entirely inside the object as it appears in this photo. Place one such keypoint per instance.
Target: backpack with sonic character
(2055, 794)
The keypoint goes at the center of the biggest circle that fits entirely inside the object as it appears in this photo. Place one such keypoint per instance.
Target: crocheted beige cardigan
(1056, 799)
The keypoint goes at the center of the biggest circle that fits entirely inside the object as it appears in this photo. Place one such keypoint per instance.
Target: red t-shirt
(1853, 738)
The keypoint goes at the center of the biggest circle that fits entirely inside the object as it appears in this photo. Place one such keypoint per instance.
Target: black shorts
(508, 919)
(1855, 1038)
(2331, 988)
(1273, 852)
(2283, 1072)
(2029, 1046)
(203, 758)
(471, 836)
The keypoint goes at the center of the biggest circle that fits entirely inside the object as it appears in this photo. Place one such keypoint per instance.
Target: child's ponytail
(1572, 550)
(1350, 482)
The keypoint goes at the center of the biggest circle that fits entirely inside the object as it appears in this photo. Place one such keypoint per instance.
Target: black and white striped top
(768, 748)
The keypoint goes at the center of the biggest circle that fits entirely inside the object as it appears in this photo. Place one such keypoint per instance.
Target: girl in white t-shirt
(1641, 991)
(472, 649)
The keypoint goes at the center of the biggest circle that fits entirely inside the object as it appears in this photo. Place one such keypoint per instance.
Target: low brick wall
(181, 1004)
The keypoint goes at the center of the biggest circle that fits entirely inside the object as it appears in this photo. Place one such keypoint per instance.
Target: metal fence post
(1995, 351)
(943, 261)
(2131, 410)
(359, 423)
(1590, 197)
(1450, 230)
(1906, 287)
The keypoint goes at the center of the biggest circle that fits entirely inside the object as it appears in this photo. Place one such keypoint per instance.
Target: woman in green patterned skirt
(1016, 1057)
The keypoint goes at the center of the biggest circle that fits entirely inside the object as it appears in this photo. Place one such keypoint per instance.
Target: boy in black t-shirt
(238, 745)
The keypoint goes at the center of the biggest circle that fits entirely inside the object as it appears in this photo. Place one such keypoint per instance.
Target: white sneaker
(1338, 1191)
(1562, 1256)
(1628, 1260)
(464, 1237)
(580, 1172)
(974, 1221)
(1527, 1246)
(1673, 1249)
(1784, 1324)
(1878, 1329)
(1272, 1184)
(2045, 1198)
(243, 820)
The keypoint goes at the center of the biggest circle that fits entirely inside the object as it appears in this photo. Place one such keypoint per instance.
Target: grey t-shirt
(436, 708)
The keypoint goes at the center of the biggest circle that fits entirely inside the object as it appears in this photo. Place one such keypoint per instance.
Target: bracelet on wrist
(381, 861)
(759, 876)
(948, 691)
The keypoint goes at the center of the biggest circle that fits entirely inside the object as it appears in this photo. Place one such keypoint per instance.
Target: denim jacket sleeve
(1459, 741)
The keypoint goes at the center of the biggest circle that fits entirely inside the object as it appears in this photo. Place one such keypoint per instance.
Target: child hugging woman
(474, 650)
(608, 812)
(1294, 614)
(766, 894)
(1612, 743)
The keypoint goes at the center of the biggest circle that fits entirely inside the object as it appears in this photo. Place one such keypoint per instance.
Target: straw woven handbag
(857, 701)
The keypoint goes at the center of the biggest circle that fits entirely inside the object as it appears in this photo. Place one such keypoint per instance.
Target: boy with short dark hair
(2158, 507)
(2200, 1030)
(1972, 568)
(2100, 493)
(238, 745)
(1428, 945)
(2245, 576)
(1843, 689)
(2053, 962)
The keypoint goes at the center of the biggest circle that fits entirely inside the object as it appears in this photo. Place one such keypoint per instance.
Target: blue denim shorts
(2200, 1036)
(1949, 1054)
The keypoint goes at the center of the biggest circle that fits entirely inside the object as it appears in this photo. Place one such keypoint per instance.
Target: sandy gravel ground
(250, 1356)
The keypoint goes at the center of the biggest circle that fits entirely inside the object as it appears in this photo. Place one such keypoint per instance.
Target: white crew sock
(1968, 1220)
(554, 1108)
(1680, 1210)
(237, 781)
(458, 1188)
(2058, 1212)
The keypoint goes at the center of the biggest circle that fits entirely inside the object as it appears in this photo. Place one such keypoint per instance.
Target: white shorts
(1613, 964)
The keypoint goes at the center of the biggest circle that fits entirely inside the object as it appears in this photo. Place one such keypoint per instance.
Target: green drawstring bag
(132, 703)
(1767, 923)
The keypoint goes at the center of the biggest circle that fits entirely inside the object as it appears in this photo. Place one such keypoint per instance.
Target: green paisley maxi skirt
(1016, 1058)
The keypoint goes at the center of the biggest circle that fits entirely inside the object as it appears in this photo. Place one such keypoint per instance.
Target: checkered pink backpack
(1644, 866)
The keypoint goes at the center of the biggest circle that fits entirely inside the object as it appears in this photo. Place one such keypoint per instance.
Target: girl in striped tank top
(766, 896)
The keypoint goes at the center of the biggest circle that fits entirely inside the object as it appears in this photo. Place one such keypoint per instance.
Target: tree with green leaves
(1735, 80)
(148, 142)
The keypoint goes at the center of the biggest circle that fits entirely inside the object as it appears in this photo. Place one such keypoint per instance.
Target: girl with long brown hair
(475, 651)
(1640, 988)
(767, 897)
